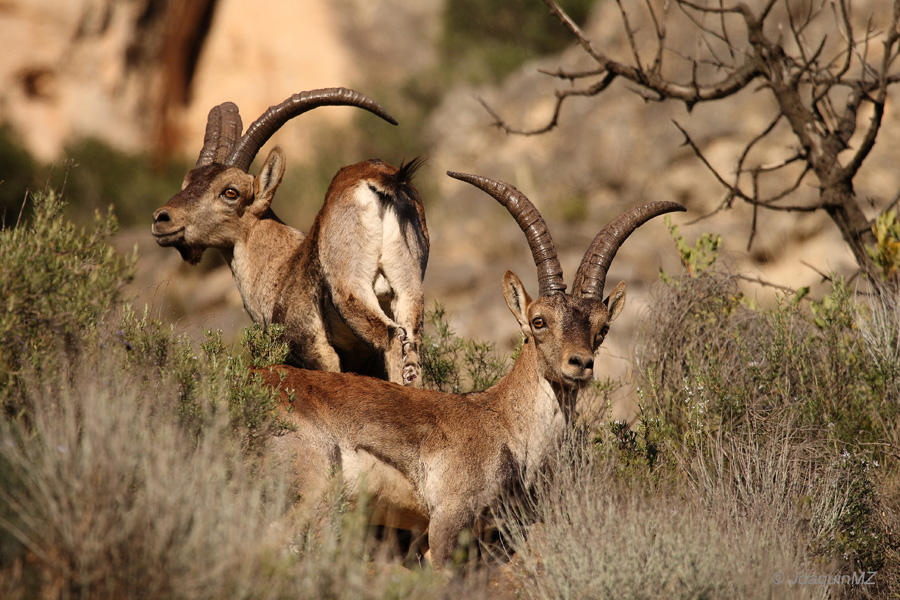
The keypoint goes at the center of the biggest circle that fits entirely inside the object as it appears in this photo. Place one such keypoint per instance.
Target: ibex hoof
(411, 368)
(410, 374)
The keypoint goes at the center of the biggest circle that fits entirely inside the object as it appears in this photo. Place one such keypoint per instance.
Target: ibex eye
(231, 193)
(538, 323)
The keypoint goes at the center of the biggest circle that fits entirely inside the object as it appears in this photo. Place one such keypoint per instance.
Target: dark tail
(409, 207)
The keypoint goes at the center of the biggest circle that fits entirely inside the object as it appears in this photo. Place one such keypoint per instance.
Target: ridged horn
(223, 128)
(266, 125)
(550, 276)
(591, 276)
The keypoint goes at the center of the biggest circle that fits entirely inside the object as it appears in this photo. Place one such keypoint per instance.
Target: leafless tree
(823, 71)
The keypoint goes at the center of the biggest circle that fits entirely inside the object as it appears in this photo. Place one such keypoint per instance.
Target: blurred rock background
(108, 98)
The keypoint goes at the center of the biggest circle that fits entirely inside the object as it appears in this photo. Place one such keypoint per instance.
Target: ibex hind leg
(350, 251)
(403, 275)
(358, 306)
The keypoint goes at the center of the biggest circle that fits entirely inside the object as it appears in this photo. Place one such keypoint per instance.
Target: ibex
(350, 292)
(433, 461)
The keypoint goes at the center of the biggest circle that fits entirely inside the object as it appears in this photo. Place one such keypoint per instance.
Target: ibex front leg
(309, 343)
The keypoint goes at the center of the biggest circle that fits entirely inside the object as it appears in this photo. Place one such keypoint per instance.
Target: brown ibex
(350, 292)
(433, 461)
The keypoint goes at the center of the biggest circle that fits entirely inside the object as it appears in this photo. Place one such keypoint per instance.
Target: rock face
(98, 67)
(143, 73)
(66, 72)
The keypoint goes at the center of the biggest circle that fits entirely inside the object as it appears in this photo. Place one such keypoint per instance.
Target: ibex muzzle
(350, 292)
(206, 212)
(437, 461)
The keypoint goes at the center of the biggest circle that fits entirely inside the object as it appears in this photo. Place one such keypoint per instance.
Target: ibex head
(565, 328)
(219, 194)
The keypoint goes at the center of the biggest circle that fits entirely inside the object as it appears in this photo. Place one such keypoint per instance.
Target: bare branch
(690, 94)
(725, 37)
(819, 90)
(824, 276)
(763, 282)
(571, 76)
(735, 191)
(766, 10)
(561, 97)
(753, 221)
(575, 30)
(769, 202)
(781, 163)
(868, 142)
(709, 9)
(629, 32)
(848, 28)
(660, 28)
(702, 27)
(753, 142)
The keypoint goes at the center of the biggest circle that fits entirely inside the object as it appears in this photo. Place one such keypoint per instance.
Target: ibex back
(434, 461)
(350, 292)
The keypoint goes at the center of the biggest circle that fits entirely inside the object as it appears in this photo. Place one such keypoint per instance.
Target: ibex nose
(581, 361)
(161, 216)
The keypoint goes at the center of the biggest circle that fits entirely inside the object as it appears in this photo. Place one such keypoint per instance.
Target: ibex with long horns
(350, 292)
(434, 461)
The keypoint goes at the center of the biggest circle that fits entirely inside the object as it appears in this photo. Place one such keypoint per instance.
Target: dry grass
(111, 498)
(105, 494)
(605, 536)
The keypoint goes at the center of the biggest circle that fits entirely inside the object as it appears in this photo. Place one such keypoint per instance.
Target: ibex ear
(517, 299)
(267, 182)
(615, 302)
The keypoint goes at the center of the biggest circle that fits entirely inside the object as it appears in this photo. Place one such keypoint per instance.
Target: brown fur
(436, 460)
(316, 284)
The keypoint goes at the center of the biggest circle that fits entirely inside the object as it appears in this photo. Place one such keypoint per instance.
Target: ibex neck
(534, 410)
(262, 260)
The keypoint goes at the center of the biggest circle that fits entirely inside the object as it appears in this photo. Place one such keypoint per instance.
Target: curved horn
(591, 275)
(550, 276)
(223, 128)
(262, 129)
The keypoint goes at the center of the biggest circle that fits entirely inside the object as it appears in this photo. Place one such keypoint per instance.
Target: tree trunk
(840, 202)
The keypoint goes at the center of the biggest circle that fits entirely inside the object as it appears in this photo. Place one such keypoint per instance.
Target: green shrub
(104, 494)
(697, 258)
(711, 366)
(710, 359)
(62, 285)
(56, 284)
(886, 251)
(266, 345)
(209, 382)
(454, 364)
